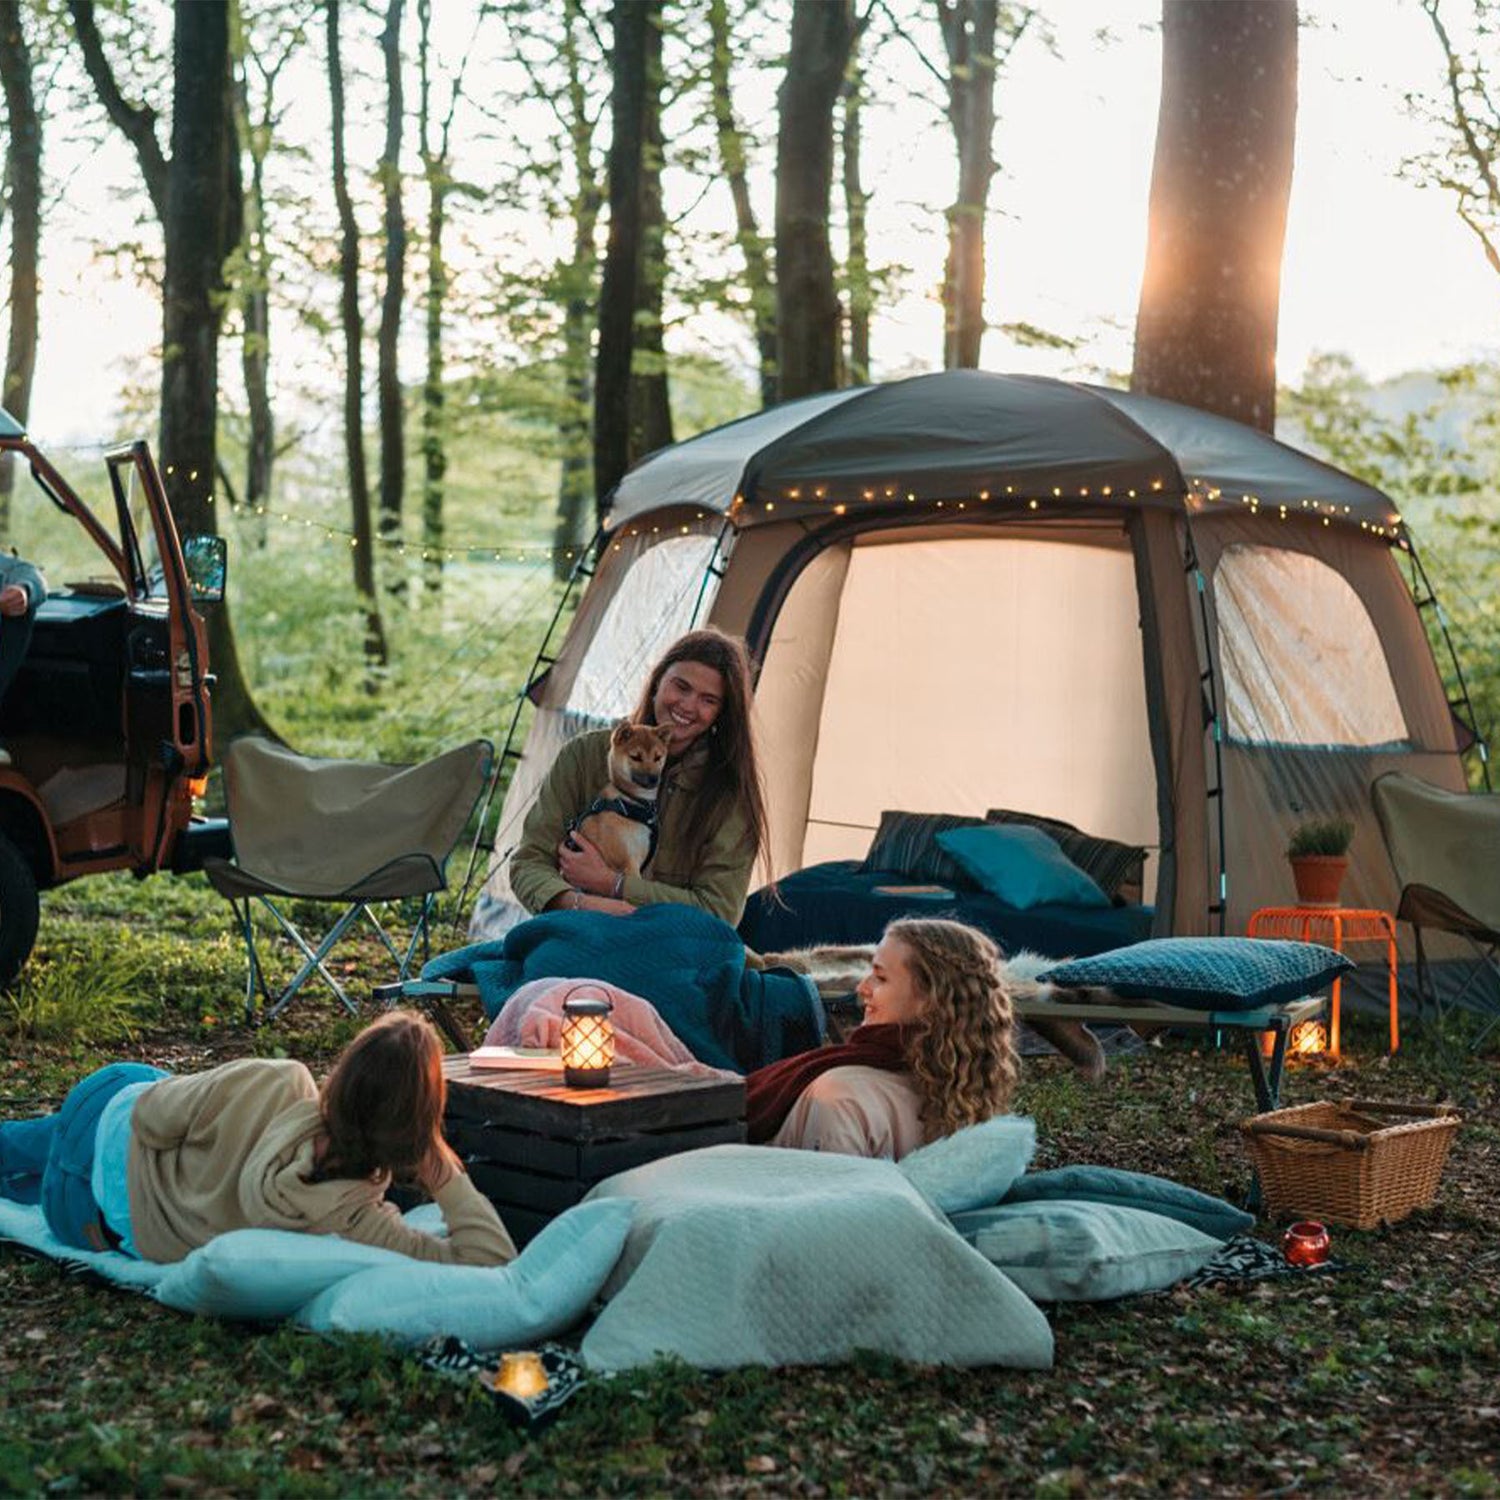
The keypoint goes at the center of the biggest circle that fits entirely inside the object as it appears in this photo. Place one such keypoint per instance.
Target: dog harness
(637, 809)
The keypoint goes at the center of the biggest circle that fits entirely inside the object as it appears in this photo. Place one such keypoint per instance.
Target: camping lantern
(1308, 1039)
(521, 1375)
(1305, 1244)
(588, 1040)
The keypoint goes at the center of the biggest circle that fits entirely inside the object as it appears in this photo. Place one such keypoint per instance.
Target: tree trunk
(632, 23)
(434, 450)
(857, 266)
(733, 159)
(363, 551)
(201, 226)
(807, 304)
(968, 28)
(574, 513)
(23, 172)
(392, 434)
(1206, 329)
(255, 313)
(650, 401)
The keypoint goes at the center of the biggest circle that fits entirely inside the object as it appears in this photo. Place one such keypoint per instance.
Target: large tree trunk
(734, 160)
(574, 491)
(434, 448)
(856, 199)
(23, 173)
(650, 401)
(633, 24)
(392, 433)
(363, 551)
(201, 225)
(1206, 329)
(807, 304)
(255, 310)
(968, 28)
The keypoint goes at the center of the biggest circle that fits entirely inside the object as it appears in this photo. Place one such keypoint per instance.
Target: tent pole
(1213, 725)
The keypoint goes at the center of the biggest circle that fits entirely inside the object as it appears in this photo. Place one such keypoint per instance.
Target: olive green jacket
(694, 866)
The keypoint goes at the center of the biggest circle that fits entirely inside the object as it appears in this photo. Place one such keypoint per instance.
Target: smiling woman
(708, 818)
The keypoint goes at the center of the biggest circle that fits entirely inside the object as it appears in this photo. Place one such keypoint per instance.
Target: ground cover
(1381, 1380)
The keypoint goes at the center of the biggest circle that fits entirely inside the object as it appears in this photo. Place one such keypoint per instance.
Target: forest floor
(1380, 1379)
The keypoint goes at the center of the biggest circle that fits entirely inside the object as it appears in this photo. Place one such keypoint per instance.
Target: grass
(1381, 1380)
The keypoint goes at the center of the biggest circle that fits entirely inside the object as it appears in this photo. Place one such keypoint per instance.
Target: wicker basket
(1359, 1163)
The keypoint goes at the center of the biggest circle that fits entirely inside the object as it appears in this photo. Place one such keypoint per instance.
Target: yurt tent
(966, 591)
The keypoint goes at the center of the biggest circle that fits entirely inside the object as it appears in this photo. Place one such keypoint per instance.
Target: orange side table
(1333, 926)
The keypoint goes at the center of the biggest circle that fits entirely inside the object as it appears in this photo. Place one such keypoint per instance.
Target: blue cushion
(1157, 1195)
(1228, 973)
(1020, 865)
(975, 1165)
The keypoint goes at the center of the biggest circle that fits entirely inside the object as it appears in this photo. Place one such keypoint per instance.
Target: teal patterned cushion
(1229, 973)
(1021, 866)
(906, 844)
(1107, 862)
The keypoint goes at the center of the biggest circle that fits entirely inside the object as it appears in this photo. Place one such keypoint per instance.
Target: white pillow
(974, 1166)
(544, 1290)
(264, 1273)
(1070, 1251)
(749, 1255)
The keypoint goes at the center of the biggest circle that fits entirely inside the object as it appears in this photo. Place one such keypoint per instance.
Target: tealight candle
(521, 1375)
(1305, 1244)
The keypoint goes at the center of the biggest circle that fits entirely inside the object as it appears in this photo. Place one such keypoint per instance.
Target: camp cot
(969, 590)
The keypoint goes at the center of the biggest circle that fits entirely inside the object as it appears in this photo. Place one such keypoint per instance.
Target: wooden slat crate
(534, 1147)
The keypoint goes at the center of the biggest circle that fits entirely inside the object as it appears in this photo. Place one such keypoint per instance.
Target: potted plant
(1319, 853)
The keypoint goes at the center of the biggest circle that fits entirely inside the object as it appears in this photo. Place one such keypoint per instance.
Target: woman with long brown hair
(710, 813)
(157, 1165)
(936, 1051)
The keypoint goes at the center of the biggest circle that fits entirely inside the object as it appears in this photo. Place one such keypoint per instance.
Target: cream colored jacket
(233, 1149)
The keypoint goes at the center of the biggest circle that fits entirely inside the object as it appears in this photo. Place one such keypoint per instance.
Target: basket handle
(1422, 1111)
(1309, 1133)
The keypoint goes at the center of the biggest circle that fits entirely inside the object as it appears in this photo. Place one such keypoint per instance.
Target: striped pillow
(1107, 862)
(906, 844)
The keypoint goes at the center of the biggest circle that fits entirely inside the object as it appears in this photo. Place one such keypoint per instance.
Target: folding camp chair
(339, 831)
(1445, 847)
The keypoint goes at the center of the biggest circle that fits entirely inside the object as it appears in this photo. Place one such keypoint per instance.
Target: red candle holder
(1305, 1244)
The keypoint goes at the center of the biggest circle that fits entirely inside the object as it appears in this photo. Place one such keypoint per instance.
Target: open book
(534, 1059)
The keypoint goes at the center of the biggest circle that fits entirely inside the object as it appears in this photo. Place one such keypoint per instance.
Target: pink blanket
(532, 1017)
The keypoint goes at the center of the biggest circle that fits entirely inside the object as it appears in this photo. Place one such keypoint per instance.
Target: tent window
(662, 595)
(1301, 660)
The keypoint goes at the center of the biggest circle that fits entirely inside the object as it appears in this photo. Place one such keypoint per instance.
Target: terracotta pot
(1318, 878)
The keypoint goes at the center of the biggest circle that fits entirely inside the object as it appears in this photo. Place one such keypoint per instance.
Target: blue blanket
(688, 964)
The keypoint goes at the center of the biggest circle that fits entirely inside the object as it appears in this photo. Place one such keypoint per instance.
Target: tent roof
(971, 436)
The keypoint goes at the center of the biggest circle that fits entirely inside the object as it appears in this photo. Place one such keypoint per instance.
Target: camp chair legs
(1485, 964)
(314, 957)
(431, 996)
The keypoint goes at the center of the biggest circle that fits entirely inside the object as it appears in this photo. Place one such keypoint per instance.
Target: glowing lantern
(588, 1040)
(521, 1375)
(1308, 1038)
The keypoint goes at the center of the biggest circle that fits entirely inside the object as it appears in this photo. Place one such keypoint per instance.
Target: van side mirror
(207, 561)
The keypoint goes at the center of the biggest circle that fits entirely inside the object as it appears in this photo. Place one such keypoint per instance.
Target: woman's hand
(14, 601)
(577, 901)
(584, 868)
(439, 1167)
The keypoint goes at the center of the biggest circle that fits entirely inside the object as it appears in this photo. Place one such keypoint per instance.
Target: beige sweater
(233, 1149)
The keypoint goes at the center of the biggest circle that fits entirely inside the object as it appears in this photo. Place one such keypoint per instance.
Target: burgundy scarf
(770, 1092)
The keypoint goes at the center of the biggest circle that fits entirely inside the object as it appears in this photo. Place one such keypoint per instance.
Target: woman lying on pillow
(936, 1052)
(154, 1165)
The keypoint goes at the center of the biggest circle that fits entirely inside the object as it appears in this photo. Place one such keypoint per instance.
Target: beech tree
(363, 551)
(197, 196)
(23, 177)
(807, 304)
(1206, 328)
(856, 201)
(388, 337)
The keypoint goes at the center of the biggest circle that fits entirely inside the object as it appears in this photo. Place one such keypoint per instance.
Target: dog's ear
(664, 733)
(621, 732)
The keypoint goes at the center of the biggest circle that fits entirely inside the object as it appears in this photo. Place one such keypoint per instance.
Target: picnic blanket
(689, 964)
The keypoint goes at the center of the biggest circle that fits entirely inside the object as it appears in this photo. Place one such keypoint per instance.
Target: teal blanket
(688, 964)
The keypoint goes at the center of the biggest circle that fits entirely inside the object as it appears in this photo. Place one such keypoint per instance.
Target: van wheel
(20, 910)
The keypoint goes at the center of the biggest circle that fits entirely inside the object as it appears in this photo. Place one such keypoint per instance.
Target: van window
(1301, 661)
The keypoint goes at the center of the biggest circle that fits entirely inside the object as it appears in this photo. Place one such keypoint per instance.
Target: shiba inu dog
(621, 821)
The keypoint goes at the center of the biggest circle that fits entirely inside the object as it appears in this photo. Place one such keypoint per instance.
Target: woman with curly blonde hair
(936, 1051)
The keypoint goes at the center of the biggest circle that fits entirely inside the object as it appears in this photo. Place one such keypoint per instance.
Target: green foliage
(1321, 836)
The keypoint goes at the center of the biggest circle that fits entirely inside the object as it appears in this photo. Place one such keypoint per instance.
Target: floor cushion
(973, 1166)
(1158, 1195)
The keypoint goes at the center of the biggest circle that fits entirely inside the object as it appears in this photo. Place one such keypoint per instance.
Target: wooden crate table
(533, 1146)
(1334, 926)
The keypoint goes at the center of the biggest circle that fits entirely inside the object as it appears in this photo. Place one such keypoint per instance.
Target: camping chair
(1445, 847)
(339, 831)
